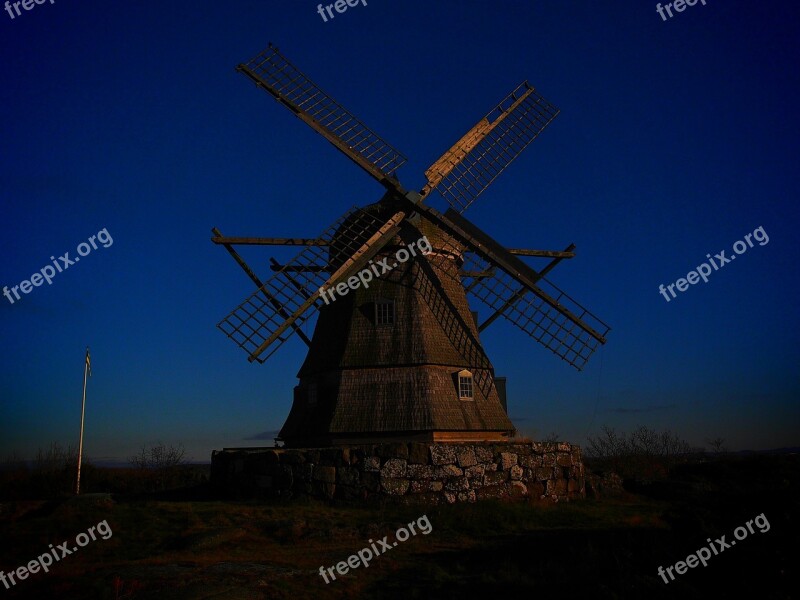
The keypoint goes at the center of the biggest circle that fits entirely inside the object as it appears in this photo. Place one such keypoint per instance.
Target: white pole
(83, 410)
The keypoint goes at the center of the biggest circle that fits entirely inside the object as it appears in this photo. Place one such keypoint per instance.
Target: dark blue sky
(675, 139)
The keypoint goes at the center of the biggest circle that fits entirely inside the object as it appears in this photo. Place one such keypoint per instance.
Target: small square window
(384, 312)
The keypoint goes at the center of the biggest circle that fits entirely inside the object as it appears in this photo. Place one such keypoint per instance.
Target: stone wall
(410, 472)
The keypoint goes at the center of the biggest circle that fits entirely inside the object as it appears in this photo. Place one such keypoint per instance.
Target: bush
(160, 466)
(644, 454)
(50, 475)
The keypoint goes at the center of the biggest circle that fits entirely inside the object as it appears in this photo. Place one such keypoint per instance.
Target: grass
(199, 547)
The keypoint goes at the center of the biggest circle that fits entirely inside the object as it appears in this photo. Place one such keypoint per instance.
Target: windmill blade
(292, 296)
(254, 278)
(521, 291)
(271, 71)
(475, 161)
(566, 334)
(546, 313)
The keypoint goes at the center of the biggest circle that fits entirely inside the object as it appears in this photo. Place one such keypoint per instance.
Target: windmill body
(401, 358)
(389, 361)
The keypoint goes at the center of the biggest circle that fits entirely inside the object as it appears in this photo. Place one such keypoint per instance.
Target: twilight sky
(675, 140)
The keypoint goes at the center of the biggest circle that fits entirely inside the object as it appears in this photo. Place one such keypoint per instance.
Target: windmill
(401, 359)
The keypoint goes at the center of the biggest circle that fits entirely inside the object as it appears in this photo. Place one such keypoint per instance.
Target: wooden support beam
(544, 253)
(262, 241)
(477, 274)
(276, 266)
(270, 241)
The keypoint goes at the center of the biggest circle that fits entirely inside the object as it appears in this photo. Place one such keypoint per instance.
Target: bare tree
(672, 447)
(717, 444)
(159, 456)
(55, 458)
(644, 453)
(608, 445)
(160, 465)
(53, 470)
(644, 442)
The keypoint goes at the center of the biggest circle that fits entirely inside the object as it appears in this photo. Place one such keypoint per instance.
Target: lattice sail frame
(273, 72)
(556, 332)
(566, 335)
(475, 161)
(256, 319)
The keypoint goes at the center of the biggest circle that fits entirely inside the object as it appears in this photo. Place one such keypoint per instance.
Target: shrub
(160, 466)
(643, 454)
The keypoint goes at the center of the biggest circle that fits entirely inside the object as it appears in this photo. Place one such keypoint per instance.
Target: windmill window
(465, 391)
(384, 312)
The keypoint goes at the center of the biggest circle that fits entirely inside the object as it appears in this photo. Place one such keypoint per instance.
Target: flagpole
(83, 410)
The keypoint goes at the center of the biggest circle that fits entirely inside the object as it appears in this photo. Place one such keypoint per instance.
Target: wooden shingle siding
(380, 380)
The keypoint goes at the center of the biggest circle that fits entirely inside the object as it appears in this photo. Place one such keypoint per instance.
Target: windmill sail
(292, 296)
(517, 293)
(273, 72)
(475, 161)
(567, 333)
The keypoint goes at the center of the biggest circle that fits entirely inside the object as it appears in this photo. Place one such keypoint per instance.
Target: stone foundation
(408, 472)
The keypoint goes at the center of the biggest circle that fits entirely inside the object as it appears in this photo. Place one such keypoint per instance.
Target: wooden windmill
(401, 358)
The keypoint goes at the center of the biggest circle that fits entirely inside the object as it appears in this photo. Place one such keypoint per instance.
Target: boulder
(394, 467)
(442, 454)
(394, 487)
(466, 457)
(507, 460)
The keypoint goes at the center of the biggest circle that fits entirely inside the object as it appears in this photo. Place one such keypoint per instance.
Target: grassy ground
(195, 547)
